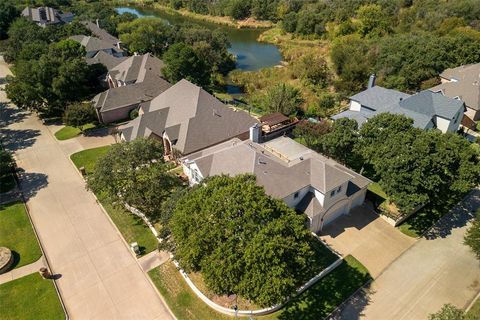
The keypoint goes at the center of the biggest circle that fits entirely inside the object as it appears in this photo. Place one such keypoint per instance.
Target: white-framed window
(195, 175)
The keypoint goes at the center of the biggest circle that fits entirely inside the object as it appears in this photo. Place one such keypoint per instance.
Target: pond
(251, 54)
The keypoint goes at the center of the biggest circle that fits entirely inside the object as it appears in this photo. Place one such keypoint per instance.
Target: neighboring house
(135, 80)
(307, 181)
(107, 60)
(427, 109)
(102, 34)
(134, 69)
(44, 16)
(94, 45)
(187, 119)
(462, 83)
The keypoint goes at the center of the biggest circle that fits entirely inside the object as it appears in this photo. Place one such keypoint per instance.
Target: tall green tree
(147, 35)
(341, 141)
(135, 173)
(8, 13)
(243, 241)
(6, 162)
(472, 238)
(182, 62)
(373, 21)
(282, 98)
(79, 114)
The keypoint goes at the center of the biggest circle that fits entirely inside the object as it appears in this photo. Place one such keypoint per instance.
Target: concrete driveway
(368, 238)
(437, 269)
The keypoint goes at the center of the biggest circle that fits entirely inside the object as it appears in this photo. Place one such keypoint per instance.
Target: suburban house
(102, 34)
(462, 83)
(135, 80)
(307, 181)
(106, 59)
(187, 119)
(44, 16)
(133, 70)
(427, 109)
(95, 45)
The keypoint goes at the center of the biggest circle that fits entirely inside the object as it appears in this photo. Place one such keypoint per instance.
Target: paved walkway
(438, 269)
(22, 271)
(153, 260)
(100, 278)
(367, 237)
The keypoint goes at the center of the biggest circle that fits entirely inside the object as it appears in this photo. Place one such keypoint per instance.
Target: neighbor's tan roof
(134, 68)
(464, 83)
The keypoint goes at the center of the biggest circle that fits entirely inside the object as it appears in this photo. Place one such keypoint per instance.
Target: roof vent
(215, 113)
(301, 158)
(260, 161)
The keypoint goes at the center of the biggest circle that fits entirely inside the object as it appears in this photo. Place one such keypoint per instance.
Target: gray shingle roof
(120, 97)
(200, 118)
(134, 68)
(430, 104)
(106, 59)
(101, 33)
(280, 177)
(465, 84)
(422, 107)
(92, 44)
(46, 15)
(377, 97)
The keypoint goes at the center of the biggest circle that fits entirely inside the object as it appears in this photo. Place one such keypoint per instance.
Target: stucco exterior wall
(291, 201)
(329, 200)
(473, 114)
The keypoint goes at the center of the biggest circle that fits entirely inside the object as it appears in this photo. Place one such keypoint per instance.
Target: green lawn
(68, 132)
(88, 158)
(474, 312)
(7, 183)
(376, 189)
(30, 297)
(315, 303)
(132, 228)
(16, 233)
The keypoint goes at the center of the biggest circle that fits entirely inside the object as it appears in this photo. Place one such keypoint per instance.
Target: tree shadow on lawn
(457, 218)
(14, 140)
(321, 299)
(97, 132)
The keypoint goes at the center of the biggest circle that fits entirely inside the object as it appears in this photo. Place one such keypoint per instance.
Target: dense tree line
(412, 166)
(49, 71)
(189, 51)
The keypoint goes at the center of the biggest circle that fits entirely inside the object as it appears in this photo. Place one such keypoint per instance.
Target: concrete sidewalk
(22, 271)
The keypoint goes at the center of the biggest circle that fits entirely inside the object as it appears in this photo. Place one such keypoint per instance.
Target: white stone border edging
(232, 312)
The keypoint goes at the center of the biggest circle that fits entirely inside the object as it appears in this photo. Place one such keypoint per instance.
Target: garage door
(335, 212)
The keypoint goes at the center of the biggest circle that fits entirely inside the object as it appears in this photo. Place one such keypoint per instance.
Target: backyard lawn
(30, 298)
(315, 303)
(68, 132)
(132, 228)
(16, 233)
(88, 158)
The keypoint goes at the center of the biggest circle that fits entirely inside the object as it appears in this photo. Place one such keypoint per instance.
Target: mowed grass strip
(30, 298)
(88, 158)
(16, 233)
(315, 303)
(132, 228)
(68, 132)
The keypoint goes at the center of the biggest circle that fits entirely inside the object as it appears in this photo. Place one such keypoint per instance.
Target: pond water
(251, 54)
